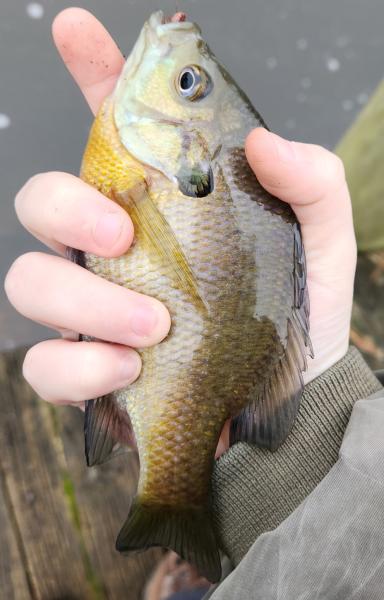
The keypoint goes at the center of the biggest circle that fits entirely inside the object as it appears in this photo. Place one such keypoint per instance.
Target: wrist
(330, 338)
(325, 358)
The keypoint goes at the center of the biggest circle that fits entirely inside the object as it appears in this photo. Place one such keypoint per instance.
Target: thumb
(307, 176)
(311, 179)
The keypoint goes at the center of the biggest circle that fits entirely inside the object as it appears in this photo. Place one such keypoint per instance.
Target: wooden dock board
(13, 579)
(110, 490)
(58, 543)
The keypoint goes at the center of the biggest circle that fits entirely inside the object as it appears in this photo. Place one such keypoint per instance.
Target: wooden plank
(13, 579)
(34, 476)
(103, 495)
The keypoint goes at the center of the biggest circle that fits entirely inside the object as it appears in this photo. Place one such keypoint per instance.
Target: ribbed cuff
(254, 490)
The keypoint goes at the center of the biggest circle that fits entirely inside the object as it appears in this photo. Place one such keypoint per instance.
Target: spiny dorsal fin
(154, 230)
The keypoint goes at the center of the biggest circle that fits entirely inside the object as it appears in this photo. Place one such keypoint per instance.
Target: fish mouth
(162, 25)
(157, 38)
(159, 32)
(178, 17)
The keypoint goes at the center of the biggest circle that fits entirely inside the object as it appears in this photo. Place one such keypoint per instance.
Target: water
(35, 10)
(308, 66)
(333, 64)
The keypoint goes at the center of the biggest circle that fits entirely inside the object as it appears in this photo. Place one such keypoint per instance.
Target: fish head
(174, 104)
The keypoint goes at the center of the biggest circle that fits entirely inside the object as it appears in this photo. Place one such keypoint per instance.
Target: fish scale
(226, 259)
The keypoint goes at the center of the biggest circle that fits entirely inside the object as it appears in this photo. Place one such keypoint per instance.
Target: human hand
(61, 211)
(172, 576)
(311, 179)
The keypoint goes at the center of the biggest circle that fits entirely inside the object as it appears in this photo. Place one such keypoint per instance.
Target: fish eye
(193, 83)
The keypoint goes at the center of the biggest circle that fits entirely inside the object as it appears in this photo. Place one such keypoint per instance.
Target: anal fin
(107, 430)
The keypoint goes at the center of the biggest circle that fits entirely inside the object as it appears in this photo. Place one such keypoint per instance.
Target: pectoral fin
(153, 230)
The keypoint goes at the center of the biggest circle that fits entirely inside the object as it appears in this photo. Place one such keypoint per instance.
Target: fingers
(89, 52)
(61, 210)
(63, 295)
(65, 372)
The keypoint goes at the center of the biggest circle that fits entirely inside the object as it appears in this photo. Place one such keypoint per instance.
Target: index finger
(89, 53)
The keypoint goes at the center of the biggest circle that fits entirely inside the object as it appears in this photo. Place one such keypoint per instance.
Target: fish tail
(189, 532)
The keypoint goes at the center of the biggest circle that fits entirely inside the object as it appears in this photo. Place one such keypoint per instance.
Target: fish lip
(159, 33)
(161, 25)
(156, 32)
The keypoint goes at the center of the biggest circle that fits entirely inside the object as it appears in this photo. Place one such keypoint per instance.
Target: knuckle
(337, 167)
(64, 214)
(58, 189)
(332, 169)
(15, 278)
(32, 372)
(39, 377)
(34, 184)
(28, 368)
(60, 186)
(53, 186)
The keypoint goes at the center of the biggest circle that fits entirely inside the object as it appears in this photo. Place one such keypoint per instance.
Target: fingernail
(130, 367)
(285, 149)
(144, 320)
(108, 230)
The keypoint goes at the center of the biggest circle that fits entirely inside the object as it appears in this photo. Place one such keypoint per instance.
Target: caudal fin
(188, 532)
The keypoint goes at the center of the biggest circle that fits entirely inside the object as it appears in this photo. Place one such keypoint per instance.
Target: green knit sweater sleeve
(254, 490)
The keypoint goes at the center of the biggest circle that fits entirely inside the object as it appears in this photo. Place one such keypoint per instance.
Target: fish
(227, 260)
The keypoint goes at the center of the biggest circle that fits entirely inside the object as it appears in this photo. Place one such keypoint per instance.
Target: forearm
(255, 490)
(331, 545)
